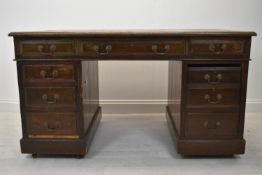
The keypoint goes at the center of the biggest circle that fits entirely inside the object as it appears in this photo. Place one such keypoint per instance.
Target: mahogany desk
(58, 85)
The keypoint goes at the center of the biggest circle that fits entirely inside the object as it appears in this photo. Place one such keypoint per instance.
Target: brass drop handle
(49, 74)
(108, 49)
(211, 125)
(157, 51)
(49, 100)
(46, 48)
(52, 48)
(53, 126)
(218, 48)
(215, 100)
(54, 73)
(40, 48)
(218, 78)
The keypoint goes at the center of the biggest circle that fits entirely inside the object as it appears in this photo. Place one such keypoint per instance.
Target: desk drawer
(45, 72)
(156, 48)
(46, 48)
(213, 97)
(46, 124)
(218, 47)
(212, 125)
(50, 97)
(214, 74)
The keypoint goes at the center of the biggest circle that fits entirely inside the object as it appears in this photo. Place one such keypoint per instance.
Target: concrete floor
(129, 145)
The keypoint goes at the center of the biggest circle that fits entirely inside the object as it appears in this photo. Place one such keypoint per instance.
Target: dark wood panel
(213, 97)
(174, 91)
(198, 146)
(63, 146)
(210, 125)
(48, 124)
(49, 72)
(214, 74)
(90, 91)
(211, 147)
(130, 47)
(46, 48)
(218, 47)
(52, 97)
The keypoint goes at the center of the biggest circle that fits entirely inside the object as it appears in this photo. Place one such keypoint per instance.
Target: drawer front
(132, 48)
(50, 97)
(212, 125)
(43, 48)
(216, 47)
(213, 97)
(214, 75)
(49, 72)
(47, 123)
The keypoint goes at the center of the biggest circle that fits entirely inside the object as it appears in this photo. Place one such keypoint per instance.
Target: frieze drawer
(135, 48)
(218, 47)
(46, 48)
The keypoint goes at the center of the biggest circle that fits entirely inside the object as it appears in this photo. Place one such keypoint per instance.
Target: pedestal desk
(207, 82)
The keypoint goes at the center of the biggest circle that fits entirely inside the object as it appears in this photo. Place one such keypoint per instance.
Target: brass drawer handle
(107, 48)
(156, 49)
(40, 48)
(49, 100)
(46, 48)
(53, 126)
(52, 48)
(49, 74)
(212, 126)
(218, 48)
(216, 80)
(215, 100)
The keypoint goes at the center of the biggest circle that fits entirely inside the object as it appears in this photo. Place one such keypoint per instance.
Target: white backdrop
(146, 85)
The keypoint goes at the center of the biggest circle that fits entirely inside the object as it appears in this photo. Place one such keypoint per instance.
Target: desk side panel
(174, 92)
(90, 92)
